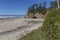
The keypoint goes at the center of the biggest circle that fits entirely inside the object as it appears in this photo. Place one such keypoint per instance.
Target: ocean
(11, 16)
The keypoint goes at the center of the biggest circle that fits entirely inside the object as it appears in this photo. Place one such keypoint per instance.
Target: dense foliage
(51, 27)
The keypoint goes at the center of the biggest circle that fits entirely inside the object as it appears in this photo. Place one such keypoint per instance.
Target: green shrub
(51, 27)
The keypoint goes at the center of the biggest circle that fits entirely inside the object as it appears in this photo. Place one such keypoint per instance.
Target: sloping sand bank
(14, 29)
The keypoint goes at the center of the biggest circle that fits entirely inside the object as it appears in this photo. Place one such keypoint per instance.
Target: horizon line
(12, 15)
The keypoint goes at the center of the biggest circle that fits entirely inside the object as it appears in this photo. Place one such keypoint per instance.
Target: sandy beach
(13, 29)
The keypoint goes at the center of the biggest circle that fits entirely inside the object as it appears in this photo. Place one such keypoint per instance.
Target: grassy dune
(50, 29)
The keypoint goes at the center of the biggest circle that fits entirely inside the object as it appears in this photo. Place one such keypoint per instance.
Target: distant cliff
(36, 11)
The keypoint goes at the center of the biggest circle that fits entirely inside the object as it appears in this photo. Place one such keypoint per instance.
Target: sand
(13, 29)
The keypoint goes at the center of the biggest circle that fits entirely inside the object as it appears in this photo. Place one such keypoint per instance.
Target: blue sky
(17, 7)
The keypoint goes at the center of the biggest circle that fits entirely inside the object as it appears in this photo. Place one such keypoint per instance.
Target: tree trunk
(58, 3)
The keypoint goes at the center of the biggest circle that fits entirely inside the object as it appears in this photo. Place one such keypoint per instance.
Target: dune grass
(50, 29)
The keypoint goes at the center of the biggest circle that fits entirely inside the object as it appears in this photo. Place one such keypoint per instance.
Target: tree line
(37, 8)
(54, 4)
(42, 7)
